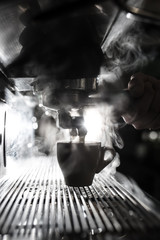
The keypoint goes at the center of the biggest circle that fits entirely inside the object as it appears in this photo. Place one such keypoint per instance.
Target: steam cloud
(129, 48)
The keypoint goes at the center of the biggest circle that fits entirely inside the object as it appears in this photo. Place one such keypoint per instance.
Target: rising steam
(129, 48)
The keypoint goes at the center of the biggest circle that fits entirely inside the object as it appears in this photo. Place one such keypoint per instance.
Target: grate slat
(38, 205)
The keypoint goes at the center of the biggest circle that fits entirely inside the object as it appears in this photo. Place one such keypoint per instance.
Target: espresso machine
(58, 68)
(68, 54)
(68, 43)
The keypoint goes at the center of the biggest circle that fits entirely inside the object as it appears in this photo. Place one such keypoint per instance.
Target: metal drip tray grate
(37, 204)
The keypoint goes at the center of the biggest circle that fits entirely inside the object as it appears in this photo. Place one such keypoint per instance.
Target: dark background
(140, 158)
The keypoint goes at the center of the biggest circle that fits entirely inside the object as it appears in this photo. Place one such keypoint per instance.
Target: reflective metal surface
(36, 204)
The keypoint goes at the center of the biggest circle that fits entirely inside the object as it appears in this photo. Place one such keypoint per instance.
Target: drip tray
(36, 204)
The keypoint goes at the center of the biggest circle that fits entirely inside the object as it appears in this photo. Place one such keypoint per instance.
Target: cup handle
(102, 163)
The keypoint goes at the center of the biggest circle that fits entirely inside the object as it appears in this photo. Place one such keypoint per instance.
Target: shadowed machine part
(36, 204)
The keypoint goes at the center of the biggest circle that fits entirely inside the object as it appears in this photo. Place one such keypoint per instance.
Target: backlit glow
(14, 124)
(93, 122)
(35, 125)
(29, 145)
